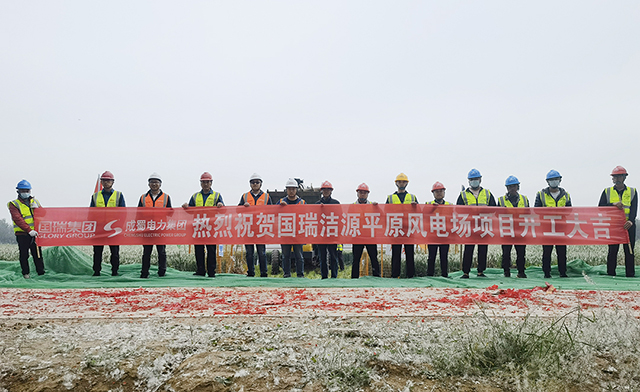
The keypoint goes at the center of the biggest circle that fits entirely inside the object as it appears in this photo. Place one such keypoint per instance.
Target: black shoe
(464, 276)
(41, 273)
(429, 274)
(264, 275)
(144, 276)
(287, 276)
(507, 274)
(521, 275)
(563, 276)
(161, 273)
(446, 276)
(199, 274)
(114, 273)
(481, 275)
(212, 275)
(547, 276)
(96, 274)
(250, 276)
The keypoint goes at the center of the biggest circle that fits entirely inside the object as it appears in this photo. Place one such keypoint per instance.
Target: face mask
(554, 183)
(25, 195)
(474, 183)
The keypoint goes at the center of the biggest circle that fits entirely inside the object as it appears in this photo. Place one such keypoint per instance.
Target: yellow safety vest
(26, 211)
(627, 196)
(549, 201)
(523, 201)
(394, 199)
(446, 203)
(98, 199)
(470, 199)
(212, 200)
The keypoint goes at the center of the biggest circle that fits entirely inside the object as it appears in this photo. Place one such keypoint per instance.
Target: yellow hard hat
(402, 177)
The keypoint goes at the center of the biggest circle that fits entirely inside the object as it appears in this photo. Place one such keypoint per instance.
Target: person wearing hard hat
(358, 249)
(513, 199)
(158, 199)
(206, 197)
(107, 197)
(401, 196)
(438, 191)
(255, 197)
(327, 189)
(292, 198)
(626, 199)
(553, 196)
(21, 210)
(475, 195)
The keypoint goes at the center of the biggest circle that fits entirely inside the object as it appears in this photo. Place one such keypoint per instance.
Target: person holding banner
(107, 197)
(363, 198)
(475, 195)
(292, 198)
(255, 197)
(510, 200)
(327, 189)
(626, 199)
(438, 191)
(553, 196)
(21, 210)
(401, 196)
(205, 198)
(154, 198)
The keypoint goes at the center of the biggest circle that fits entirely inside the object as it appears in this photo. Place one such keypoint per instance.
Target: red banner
(331, 224)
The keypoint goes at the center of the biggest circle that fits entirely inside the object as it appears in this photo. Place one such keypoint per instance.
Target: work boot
(26, 276)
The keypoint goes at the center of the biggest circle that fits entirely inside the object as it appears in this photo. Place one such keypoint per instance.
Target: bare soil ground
(257, 339)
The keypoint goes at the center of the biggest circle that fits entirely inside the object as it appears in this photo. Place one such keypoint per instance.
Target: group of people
(619, 195)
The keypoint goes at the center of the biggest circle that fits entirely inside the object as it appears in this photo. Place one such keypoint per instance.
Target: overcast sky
(345, 91)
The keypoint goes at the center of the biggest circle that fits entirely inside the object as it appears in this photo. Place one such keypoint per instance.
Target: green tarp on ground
(69, 268)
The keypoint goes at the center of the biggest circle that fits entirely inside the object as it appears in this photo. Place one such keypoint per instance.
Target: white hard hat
(255, 176)
(291, 183)
(155, 176)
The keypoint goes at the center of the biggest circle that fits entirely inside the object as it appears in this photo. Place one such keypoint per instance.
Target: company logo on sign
(108, 227)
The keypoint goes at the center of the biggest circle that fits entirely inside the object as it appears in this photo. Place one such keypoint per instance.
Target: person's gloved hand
(33, 233)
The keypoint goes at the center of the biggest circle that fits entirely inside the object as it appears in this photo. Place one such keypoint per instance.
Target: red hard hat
(326, 185)
(206, 176)
(363, 187)
(618, 170)
(437, 185)
(107, 176)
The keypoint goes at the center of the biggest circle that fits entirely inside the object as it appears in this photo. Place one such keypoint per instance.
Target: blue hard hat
(474, 173)
(553, 174)
(511, 180)
(24, 184)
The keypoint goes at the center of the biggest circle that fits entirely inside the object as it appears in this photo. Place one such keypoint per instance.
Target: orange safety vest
(261, 201)
(147, 201)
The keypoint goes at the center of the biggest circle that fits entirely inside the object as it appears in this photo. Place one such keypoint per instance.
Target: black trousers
(520, 257)
(396, 254)
(146, 259)
(332, 249)
(372, 250)
(262, 260)
(629, 258)
(27, 243)
(561, 252)
(444, 259)
(212, 251)
(114, 260)
(467, 258)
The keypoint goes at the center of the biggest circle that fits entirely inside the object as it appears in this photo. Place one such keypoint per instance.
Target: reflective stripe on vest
(212, 200)
(395, 199)
(522, 202)
(470, 199)
(356, 202)
(26, 212)
(549, 201)
(627, 196)
(98, 199)
(147, 200)
(262, 200)
(446, 203)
